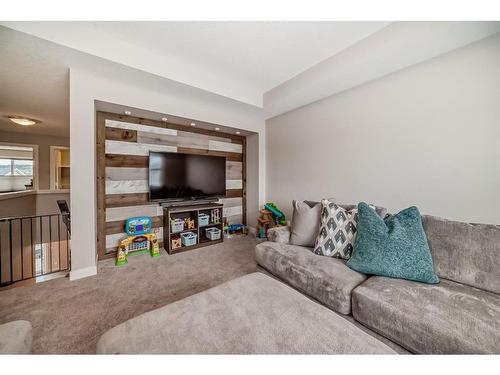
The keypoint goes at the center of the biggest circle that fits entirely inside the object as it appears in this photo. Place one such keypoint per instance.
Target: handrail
(33, 246)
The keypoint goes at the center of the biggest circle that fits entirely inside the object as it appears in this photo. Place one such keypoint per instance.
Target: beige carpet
(70, 316)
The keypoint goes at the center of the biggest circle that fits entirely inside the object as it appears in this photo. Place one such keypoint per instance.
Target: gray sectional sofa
(303, 303)
(459, 315)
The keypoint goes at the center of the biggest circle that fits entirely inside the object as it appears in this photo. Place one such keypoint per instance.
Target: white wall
(428, 135)
(115, 84)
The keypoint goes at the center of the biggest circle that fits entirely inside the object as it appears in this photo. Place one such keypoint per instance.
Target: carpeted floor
(70, 316)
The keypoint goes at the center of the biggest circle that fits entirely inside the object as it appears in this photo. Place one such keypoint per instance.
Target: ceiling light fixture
(23, 120)
(193, 124)
(217, 129)
(164, 119)
(128, 113)
(238, 133)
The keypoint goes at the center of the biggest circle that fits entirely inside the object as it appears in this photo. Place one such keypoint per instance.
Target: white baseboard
(83, 272)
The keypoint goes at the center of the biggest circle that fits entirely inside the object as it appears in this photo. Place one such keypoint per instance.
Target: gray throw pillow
(305, 223)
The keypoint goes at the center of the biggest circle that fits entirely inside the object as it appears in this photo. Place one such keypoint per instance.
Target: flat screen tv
(176, 176)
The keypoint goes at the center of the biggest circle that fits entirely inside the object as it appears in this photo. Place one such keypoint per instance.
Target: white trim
(82, 272)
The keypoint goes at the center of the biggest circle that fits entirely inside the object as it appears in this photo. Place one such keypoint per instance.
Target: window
(16, 168)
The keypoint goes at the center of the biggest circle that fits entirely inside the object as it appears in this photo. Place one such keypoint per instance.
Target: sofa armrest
(279, 234)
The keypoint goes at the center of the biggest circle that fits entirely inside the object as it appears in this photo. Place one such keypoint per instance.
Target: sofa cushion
(15, 337)
(325, 279)
(448, 318)
(279, 234)
(337, 230)
(393, 247)
(253, 314)
(381, 211)
(305, 223)
(465, 253)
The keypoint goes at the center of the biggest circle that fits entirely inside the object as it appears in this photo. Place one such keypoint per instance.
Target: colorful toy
(189, 223)
(236, 229)
(215, 216)
(140, 239)
(264, 223)
(279, 217)
(270, 216)
(176, 242)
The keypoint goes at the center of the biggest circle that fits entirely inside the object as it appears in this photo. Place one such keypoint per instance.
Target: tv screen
(182, 176)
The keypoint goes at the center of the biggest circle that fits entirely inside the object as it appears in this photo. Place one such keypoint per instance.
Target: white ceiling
(292, 63)
(239, 60)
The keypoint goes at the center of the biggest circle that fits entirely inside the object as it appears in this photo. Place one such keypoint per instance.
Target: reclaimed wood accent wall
(123, 144)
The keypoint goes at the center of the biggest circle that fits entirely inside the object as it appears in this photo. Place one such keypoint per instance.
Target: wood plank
(244, 183)
(129, 148)
(234, 170)
(169, 125)
(219, 137)
(139, 127)
(235, 219)
(123, 213)
(127, 187)
(100, 130)
(231, 202)
(234, 193)
(121, 200)
(234, 184)
(121, 135)
(113, 227)
(230, 156)
(126, 173)
(225, 146)
(169, 140)
(131, 161)
(232, 211)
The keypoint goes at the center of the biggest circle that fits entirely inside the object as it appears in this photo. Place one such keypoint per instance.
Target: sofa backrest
(465, 253)
(381, 211)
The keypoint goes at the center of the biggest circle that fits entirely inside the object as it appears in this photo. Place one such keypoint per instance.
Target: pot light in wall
(192, 124)
(23, 120)
(128, 113)
(164, 119)
(217, 129)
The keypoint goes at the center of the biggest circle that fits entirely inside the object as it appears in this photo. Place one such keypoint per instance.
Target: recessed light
(128, 113)
(23, 121)
(217, 129)
(238, 133)
(192, 124)
(164, 119)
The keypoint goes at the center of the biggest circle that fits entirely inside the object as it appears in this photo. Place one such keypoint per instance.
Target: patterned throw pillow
(337, 231)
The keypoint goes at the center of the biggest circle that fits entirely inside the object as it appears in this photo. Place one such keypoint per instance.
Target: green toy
(278, 216)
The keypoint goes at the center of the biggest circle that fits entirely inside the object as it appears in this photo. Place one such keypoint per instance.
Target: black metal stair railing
(33, 246)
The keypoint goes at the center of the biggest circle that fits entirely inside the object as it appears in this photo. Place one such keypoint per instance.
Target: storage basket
(188, 238)
(177, 225)
(203, 219)
(213, 233)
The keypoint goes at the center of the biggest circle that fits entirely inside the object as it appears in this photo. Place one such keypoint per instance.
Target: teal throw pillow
(394, 247)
